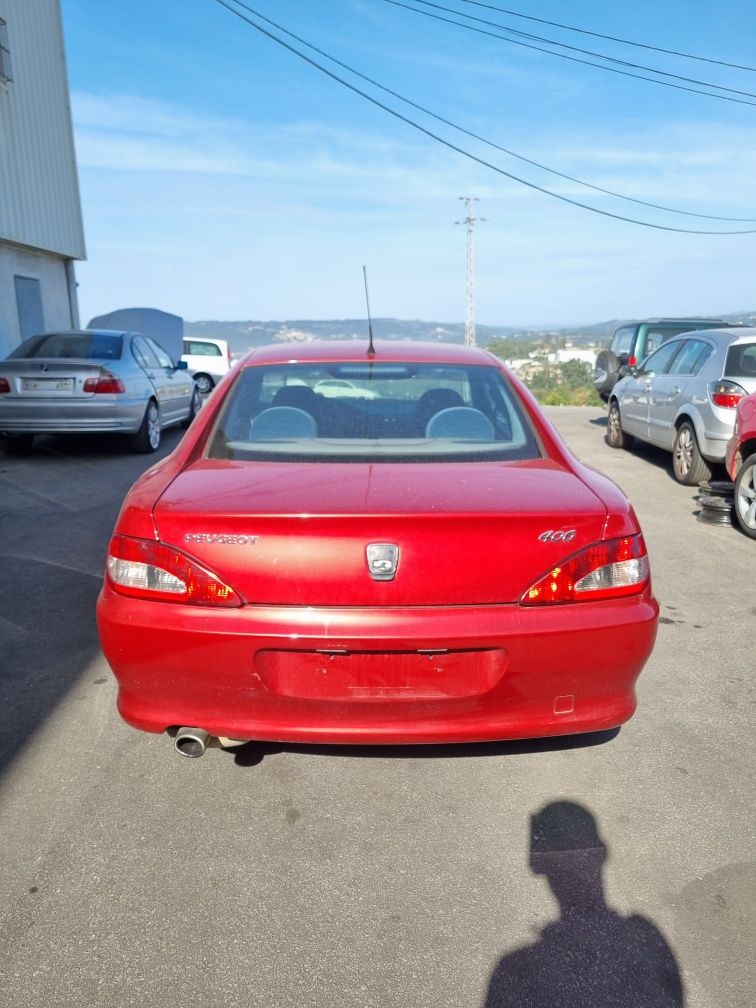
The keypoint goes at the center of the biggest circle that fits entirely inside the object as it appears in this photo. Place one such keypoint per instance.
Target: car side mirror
(181, 365)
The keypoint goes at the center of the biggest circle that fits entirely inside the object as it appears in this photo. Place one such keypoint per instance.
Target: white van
(207, 360)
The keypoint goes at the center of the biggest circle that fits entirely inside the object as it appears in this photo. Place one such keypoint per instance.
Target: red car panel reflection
(741, 464)
(426, 562)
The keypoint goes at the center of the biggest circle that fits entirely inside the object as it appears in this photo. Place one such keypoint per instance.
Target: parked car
(741, 463)
(208, 361)
(683, 398)
(339, 387)
(634, 341)
(93, 381)
(310, 569)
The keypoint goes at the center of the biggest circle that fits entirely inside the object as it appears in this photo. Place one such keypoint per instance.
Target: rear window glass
(741, 361)
(197, 348)
(72, 346)
(357, 412)
(622, 341)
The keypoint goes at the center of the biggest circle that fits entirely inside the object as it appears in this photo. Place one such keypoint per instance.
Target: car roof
(84, 332)
(682, 320)
(355, 351)
(725, 337)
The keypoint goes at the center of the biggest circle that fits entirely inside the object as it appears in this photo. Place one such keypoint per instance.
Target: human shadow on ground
(592, 956)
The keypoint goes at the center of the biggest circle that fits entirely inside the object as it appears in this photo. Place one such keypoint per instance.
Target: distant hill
(246, 335)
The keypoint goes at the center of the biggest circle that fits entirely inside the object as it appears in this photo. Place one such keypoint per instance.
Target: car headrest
(279, 423)
(436, 399)
(460, 422)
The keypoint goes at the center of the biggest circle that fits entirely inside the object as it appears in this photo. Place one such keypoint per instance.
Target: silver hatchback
(683, 398)
(93, 381)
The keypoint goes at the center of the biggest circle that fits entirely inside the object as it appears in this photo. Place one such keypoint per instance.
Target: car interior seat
(300, 396)
(433, 401)
(461, 422)
(281, 423)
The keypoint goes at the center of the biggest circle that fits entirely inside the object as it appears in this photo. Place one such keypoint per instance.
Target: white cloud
(213, 216)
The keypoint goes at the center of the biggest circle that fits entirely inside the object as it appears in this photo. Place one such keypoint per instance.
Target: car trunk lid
(36, 378)
(297, 534)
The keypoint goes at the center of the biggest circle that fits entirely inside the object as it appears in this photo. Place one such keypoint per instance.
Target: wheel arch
(152, 398)
(689, 414)
(745, 450)
(685, 416)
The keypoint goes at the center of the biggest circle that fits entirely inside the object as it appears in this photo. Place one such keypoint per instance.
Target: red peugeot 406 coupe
(420, 559)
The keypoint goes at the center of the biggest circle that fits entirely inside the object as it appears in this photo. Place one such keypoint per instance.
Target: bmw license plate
(47, 384)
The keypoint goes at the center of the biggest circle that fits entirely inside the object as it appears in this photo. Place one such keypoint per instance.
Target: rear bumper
(87, 416)
(714, 448)
(259, 672)
(714, 430)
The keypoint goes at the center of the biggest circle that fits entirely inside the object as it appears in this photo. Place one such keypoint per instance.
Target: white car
(208, 360)
(333, 388)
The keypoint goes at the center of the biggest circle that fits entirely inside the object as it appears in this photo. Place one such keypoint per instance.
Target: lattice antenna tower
(469, 220)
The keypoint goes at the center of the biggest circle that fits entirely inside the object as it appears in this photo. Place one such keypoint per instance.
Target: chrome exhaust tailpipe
(191, 742)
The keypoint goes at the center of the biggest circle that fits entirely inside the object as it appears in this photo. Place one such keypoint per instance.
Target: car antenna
(371, 348)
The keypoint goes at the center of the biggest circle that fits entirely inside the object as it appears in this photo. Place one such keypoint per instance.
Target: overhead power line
(611, 38)
(572, 59)
(446, 143)
(585, 52)
(491, 143)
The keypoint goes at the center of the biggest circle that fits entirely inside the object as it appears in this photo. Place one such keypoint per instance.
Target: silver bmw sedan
(93, 381)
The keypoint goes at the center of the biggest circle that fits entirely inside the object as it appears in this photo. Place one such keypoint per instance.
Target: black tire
(18, 444)
(204, 383)
(615, 436)
(195, 407)
(745, 496)
(606, 373)
(688, 464)
(147, 438)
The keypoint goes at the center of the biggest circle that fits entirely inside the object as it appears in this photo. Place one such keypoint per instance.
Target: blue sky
(222, 177)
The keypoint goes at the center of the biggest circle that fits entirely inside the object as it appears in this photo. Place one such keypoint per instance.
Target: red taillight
(611, 569)
(4, 386)
(144, 569)
(106, 383)
(726, 393)
(632, 360)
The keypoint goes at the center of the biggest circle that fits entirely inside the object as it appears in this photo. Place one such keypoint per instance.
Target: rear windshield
(741, 361)
(622, 341)
(195, 348)
(361, 412)
(72, 346)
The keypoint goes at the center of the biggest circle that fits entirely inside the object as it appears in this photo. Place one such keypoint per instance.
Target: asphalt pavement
(602, 873)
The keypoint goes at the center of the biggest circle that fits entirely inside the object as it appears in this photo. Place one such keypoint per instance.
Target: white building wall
(58, 300)
(39, 188)
(571, 353)
(41, 230)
